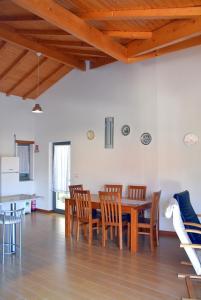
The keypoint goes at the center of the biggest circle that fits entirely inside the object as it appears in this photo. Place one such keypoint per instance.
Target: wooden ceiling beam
(154, 13)
(192, 42)
(165, 35)
(29, 73)
(140, 35)
(67, 44)
(9, 34)
(37, 86)
(57, 15)
(42, 32)
(19, 18)
(13, 64)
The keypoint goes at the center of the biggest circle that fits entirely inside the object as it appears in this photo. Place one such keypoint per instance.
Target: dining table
(132, 207)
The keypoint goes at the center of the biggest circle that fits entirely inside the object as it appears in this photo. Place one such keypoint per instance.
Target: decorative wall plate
(191, 139)
(125, 130)
(146, 138)
(90, 134)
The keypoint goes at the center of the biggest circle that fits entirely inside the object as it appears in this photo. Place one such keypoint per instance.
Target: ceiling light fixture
(37, 108)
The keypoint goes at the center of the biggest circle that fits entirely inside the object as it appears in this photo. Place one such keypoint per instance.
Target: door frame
(56, 210)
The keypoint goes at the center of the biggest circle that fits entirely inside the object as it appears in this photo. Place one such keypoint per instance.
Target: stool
(9, 219)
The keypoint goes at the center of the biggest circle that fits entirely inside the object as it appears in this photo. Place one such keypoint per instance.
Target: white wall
(159, 96)
(15, 118)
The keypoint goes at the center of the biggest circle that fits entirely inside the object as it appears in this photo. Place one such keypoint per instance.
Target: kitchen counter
(16, 198)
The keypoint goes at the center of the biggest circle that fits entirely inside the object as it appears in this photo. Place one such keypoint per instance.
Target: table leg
(67, 219)
(134, 230)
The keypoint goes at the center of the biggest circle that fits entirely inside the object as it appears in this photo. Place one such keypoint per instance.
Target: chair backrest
(188, 214)
(83, 205)
(137, 192)
(173, 211)
(11, 216)
(117, 188)
(73, 188)
(111, 210)
(155, 207)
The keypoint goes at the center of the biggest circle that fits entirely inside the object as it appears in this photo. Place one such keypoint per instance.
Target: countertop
(20, 197)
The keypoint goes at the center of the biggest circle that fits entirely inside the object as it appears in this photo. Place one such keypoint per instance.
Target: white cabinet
(9, 164)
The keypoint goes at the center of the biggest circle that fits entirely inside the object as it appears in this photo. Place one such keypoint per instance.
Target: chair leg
(111, 233)
(77, 230)
(103, 235)
(20, 239)
(157, 234)
(128, 235)
(98, 228)
(3, 251)
(85, 230)
(90, 233)
(151, 239)
(120, 238)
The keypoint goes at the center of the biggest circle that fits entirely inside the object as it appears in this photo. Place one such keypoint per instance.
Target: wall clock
(90, 134)
(125, 130)
(191, 139)
(146, 138)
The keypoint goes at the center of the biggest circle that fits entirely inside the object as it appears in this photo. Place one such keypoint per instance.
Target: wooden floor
(53, 269)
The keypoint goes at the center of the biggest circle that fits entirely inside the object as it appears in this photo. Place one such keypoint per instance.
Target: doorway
(61, 174)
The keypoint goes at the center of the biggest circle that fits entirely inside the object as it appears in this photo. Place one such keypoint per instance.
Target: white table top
(20, 197)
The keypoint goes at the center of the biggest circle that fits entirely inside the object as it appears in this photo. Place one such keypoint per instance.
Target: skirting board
(44, 211)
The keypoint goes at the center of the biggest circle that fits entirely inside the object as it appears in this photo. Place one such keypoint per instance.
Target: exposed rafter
(170, 33)
(140, 35)
(29, 73)
(113, 33)
(9, 34)
(55, 14)
(192, 42)
(19, 18)
(42, 32)
(13, 64)
(154, 13)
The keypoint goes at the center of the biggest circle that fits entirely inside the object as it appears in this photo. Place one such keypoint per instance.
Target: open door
(61, 175)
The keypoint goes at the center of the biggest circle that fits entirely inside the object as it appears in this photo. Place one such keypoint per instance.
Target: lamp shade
(37, 109)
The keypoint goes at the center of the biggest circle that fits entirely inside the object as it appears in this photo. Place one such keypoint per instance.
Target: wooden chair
(72, 189)
(84, 214)
(150, 226)
(192, 250)
(137, 192)
(117, 188)
(111, 212)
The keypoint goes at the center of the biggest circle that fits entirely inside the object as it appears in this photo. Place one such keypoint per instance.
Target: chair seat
(126, 217)
(96, 214)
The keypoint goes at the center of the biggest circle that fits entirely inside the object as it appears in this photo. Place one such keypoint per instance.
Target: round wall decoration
(191, 139)
(146, 138)
(90, 134)
(125, 130)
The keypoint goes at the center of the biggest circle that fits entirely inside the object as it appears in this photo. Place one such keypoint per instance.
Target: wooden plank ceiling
(70, 32)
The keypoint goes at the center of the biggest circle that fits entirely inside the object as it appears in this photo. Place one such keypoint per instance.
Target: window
(24, 150)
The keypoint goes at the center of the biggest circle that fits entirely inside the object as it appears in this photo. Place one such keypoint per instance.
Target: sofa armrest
(195, 246)
(192, 224)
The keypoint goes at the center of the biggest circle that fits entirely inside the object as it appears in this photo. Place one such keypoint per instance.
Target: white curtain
(23, 153)
(61, 168)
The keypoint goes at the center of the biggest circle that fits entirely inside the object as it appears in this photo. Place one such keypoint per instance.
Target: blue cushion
(188, 214)
(126, 217)
(96, 214)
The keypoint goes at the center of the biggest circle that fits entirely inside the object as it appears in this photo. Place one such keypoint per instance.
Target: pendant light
(37, 108)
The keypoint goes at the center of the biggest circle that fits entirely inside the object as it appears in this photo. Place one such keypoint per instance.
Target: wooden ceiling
(70, 32)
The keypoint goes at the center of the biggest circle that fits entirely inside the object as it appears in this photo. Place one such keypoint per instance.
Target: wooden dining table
(132, 207)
